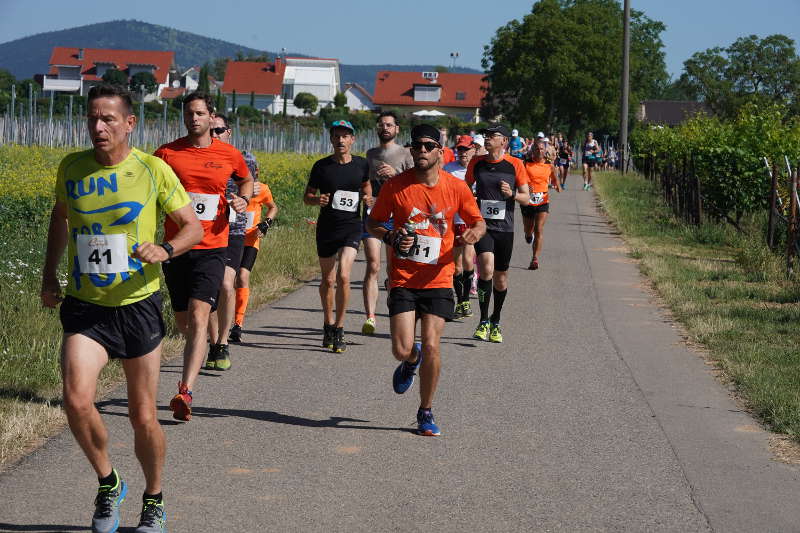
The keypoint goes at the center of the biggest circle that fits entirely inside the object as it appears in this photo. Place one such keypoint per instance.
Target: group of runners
(441, 213)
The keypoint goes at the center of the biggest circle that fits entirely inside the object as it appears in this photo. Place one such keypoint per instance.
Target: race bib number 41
(103, 254)
(426, 250)
(345, 200)
(493, 209)
(205, 205)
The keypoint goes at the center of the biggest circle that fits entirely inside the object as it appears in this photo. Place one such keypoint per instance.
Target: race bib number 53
(103, 254)
(426, 250)
(493, 209)
(205, 205)
(345, 200)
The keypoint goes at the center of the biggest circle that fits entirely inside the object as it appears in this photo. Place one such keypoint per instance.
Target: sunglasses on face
(219, 131)
(429, 145)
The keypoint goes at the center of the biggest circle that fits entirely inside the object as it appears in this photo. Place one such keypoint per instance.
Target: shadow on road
(43, 527)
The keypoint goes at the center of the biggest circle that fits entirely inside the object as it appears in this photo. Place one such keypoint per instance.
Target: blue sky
(376, 31)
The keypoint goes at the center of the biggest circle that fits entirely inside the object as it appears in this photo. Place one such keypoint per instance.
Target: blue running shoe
(425, 424)
(106, 513)
(403, 376)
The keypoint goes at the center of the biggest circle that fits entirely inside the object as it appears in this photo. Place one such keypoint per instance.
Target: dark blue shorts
(366, 235)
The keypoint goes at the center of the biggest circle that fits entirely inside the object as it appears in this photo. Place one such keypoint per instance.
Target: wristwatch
(169, 249)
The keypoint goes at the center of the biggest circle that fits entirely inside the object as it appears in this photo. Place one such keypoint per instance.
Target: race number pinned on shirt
(251, 218)
(205, 205)
(493, 209)
(426, 250)
(345, 200)
(103, 254)
(537, 198)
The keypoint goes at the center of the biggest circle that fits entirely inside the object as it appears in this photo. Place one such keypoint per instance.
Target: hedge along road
(593, 415)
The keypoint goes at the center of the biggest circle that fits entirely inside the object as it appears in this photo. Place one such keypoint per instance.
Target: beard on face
(386, 135)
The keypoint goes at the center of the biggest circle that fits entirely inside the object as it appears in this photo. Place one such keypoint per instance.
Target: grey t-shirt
(395, 155)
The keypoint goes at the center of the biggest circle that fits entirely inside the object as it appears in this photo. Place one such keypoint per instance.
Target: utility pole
(626, 66)
(454, 56)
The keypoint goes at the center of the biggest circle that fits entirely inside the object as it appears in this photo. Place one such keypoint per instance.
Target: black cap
(496, 128)
(425, 130)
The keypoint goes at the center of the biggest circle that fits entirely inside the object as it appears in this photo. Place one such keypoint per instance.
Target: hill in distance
(28, 56)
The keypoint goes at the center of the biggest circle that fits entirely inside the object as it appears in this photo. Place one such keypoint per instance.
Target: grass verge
(728, 291)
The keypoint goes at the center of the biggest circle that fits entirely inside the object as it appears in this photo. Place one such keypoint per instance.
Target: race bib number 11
(103, 254)
(426, 250)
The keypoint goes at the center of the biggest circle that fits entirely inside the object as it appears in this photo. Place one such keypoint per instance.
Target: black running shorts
(439, 302)
(501, 244)
(529, 211)
(331, 240)
(126, 332)
(249, 257)
(196, 274)
(233, 253)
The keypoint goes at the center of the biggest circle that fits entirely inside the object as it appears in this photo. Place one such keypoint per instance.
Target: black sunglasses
(429, 145)
(219, 131)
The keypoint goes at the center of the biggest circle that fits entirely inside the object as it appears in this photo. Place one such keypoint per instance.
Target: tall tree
(115, 77)
(202, 80)
(143, 78)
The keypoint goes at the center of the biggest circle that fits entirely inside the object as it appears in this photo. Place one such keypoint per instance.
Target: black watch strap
(168, 248)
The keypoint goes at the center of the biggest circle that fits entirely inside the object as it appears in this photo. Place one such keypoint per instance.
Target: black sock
(466, 286)
(484, 295)
(458, 283)
(110, 480)
(157, 497)
(499, 298)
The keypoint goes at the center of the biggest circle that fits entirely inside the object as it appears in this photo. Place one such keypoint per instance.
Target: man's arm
(474, 233)
(523, 196)
(366, 193)
(310, 197)
(245, 184)
(57, 235)
(189, 234)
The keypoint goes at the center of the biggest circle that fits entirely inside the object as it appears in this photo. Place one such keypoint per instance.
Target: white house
(358, 98)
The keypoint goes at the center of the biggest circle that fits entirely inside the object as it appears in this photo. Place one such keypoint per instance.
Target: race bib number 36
(205, 205)
(493, 209)
(426, 250)
(345, 200)
(103, 254)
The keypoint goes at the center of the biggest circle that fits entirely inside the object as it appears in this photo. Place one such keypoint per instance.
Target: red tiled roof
(254, 77)
(172, 92)
(62, 55)
(397, 88)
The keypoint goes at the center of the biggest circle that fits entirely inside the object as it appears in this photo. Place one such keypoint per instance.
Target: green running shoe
(223, 357)
(494, 333)
(482, 331)
(369, 327)
(211, 361)
(153, 518)
(106, 506)
(466, 310)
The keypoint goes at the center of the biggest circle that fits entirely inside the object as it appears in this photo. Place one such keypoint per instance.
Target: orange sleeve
(265, 190)
(240, 167)
(520, 173)
(468, 207)
(469, 177)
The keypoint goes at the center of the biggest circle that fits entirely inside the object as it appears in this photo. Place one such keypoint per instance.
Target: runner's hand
(505, 189)
(324, 199)
(51, 293)
(370, 201)
(470, 236)
(239, 204)
(148, 252)
(385, 170)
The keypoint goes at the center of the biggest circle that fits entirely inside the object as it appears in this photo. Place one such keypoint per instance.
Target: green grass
(30, 336)
(727, 289)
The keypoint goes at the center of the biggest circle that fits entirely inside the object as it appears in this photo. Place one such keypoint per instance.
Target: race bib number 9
(345, 200)
(493, 209)
(103, 254)
(205, 205)
(537, 198)
(426, 250)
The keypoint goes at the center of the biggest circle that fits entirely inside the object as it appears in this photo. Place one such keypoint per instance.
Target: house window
(460, 95)
(427, 93)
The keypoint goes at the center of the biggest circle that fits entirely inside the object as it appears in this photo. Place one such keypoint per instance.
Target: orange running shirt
(431, 210)
(251, 233)
(204, 173)
(448, 155)
(538, 179)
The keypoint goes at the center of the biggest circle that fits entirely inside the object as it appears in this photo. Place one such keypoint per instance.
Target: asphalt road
(591, 416)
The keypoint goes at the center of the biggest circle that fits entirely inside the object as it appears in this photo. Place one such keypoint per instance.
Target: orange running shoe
(181, 403)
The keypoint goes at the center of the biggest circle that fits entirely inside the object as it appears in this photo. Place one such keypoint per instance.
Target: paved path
(591, 416)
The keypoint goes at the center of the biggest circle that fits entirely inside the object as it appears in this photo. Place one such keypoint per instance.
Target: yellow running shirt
(110, 210)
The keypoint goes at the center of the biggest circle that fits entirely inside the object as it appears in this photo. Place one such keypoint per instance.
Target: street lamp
(454, 56)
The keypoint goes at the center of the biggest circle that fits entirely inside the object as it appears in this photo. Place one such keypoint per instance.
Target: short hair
(200, 95)
(107, 90)
(224, 119)
(388, 114)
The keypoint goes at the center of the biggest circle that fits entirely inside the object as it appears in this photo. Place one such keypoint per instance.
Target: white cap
(478, 139)
(545, 139)
(515, 133)
(540, 135)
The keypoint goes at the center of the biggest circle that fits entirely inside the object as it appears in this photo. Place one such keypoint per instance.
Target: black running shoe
(236, 334)
(327, 336)
(339, 344)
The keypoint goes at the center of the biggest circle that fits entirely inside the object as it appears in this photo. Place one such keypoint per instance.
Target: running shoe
(106, 506)
(223, 357)
(181, 403)
(213, 353)
(369, 327)
(327, 336)
(458, 312)
(425, 424)
(529, 238)
(339, 344)
(466, 310)
(534, 264)
(403, 376)
(153, 518)
(482, 331)
(495, 335)
(563, 186)
(585, 186)
(236, 334)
